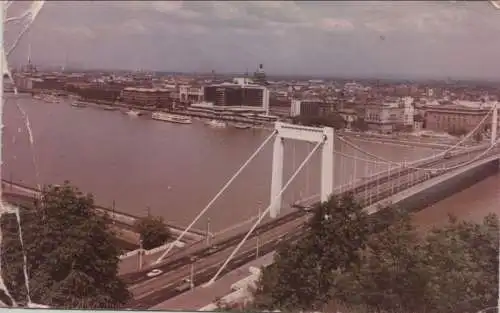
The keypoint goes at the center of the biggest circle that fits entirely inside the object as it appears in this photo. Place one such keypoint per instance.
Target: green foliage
(333, 120)
(153, 231)
(359, 124)
(382, 264)
(463, 266)
(303, 271)
(458, 132)
(71, 259)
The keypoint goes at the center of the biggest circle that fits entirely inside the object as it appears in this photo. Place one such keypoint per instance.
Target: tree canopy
(71, 259)
(382, 264)
(333, 120)
(153, 231)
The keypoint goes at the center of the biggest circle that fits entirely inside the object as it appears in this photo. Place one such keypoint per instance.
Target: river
(174, 170)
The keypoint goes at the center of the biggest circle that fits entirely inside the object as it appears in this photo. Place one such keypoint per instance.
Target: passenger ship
(165, 117)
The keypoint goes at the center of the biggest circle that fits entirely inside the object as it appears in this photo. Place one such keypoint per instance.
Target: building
(310, 107)
(349, 115)
(455, 119)
(153, 97)
(239, 95)
(384, 118)
(190, 94)
(260, 76)
(408, 112)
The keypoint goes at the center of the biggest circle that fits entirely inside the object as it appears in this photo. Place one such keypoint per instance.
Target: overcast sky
(409, 39)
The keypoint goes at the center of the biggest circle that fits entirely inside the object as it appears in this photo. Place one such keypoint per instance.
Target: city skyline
(365, 39)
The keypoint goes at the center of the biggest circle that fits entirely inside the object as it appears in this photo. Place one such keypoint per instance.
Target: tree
(359, 124)
(332, 119)
(463, 265)
(392, 276)
(303, 271)
(71, 259)
(380, 263)
(153, 231)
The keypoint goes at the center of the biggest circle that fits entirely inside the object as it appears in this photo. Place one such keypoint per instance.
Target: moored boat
(79, 104)
(241, 126)
(216, 124)
(172, 118)
(133, 113)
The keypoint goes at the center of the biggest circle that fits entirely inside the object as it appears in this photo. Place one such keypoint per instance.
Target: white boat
(172, 118)
(133, 113)
(50, 99)
(78, 104)
(216, 124)
(109, 108)
(241, 126)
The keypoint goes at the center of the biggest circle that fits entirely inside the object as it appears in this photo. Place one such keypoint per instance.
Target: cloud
(331, 24)
(309, 36)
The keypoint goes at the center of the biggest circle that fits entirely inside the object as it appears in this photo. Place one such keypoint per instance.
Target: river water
(174, 170)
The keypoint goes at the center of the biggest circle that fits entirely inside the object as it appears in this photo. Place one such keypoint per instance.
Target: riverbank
(126, 239)
(125, 222)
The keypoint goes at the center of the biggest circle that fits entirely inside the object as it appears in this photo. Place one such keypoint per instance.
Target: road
(201, 250)
(160, 288)
(145, 289)
(119, 217)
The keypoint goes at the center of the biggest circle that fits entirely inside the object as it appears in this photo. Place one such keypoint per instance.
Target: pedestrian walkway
(201, 297)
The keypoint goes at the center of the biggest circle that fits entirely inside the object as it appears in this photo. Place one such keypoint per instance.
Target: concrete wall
(449, 187)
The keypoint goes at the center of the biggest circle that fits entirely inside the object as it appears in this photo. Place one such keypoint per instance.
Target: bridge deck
(200, 297)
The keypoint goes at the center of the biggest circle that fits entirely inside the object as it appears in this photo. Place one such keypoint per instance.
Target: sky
(419, 39)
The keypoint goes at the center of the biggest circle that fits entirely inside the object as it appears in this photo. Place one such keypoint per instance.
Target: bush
(153, 231)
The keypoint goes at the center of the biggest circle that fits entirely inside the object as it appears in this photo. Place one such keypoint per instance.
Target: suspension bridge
(388, 183)
(392, 182)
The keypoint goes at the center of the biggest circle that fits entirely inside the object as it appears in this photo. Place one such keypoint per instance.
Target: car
(154, 273)
(212, 249)
(186, 285)
(447, 155)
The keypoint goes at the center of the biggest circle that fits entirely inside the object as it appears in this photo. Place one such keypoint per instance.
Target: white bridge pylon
(324, 135)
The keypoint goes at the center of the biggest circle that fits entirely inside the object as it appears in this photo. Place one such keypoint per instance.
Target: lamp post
(141, 252)
(191, 273)
(113, 208)
(258, 238)
(208, 231)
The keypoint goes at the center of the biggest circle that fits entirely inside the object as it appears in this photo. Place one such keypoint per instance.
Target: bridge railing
(363, 183)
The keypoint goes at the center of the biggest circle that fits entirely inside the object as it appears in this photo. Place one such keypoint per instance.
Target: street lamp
(113, 211)
(258, 233)
(141, 251)
(191, 275)
(208, 231)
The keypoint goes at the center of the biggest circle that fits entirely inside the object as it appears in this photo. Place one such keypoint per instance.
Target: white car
(154, 273)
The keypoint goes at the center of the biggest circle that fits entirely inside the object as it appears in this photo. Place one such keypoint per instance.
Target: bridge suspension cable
(261, 217)
(442, 153)
(412, 167)
(369, 174)
(223, 189)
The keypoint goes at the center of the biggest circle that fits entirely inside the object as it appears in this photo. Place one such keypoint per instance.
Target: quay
(124, 219)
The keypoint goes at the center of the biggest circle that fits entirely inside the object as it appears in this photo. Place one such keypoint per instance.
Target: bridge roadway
(143, 287)
(385, 176)
(156, 290)
(200, 247)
